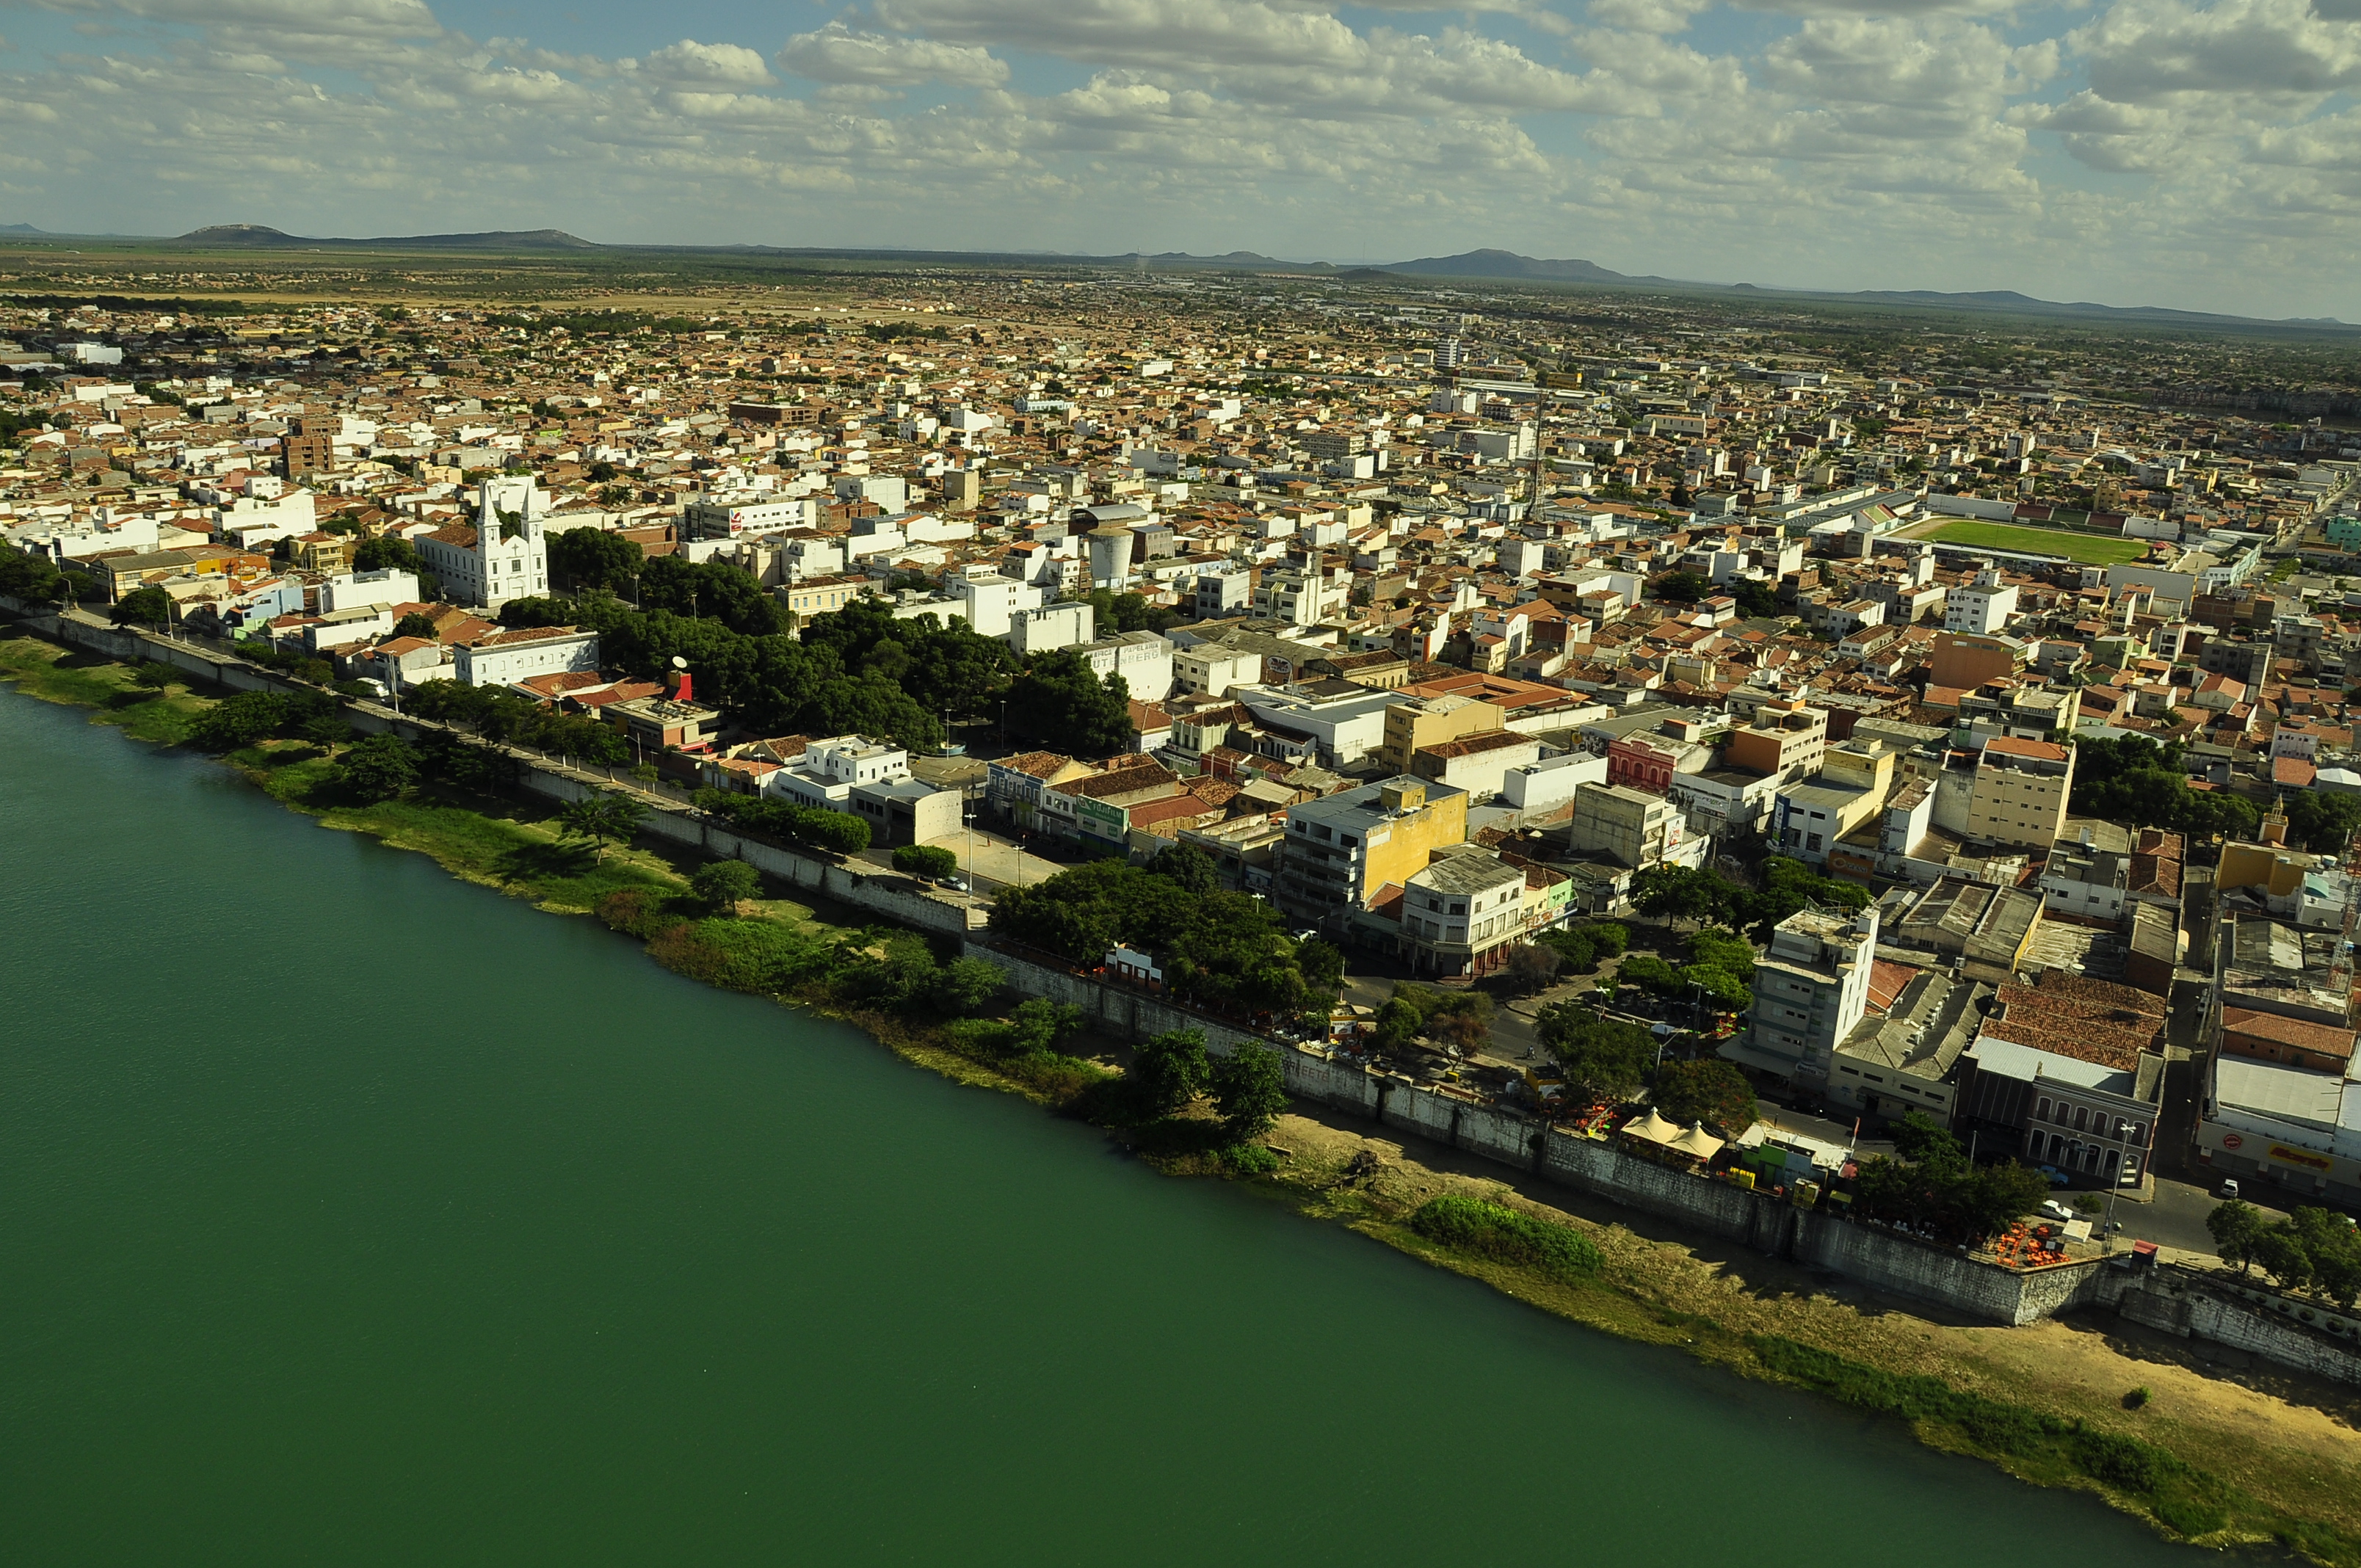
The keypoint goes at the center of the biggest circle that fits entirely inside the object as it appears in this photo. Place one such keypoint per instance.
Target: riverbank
(2236, 1464)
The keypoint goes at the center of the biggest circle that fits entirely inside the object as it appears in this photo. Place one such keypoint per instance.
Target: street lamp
(2114, 1184)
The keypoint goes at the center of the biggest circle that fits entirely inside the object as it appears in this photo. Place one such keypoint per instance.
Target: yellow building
(1341, 850)
(2269, 865)
(2020, 792)
(1420, 722)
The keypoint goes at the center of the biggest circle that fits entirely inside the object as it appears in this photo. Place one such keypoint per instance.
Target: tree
(1530, 967)
(417, 623)
(152, 675)
(602, 817)
(592, 558)
(1250, 1089)
(969, 986)
(1397, 1023)
(1321, 964)
(236, 722)
(390, 551)
(2335, 1247)
(1680, 588)
(1171, 1071)
(926, 860)
(1757, 601)
(2236, 1226)
(1043, 1024)
(376, 768)
(1711, 1091)
(724, 884)
(1605, 1056)
(1190, 867)
(146, 607)
(2280, 1250)
(1063, 704)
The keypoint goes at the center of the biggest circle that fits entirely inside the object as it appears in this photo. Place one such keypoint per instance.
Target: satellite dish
(678, 663)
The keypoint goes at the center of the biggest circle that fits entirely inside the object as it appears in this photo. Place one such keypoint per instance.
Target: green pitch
(2090, 549)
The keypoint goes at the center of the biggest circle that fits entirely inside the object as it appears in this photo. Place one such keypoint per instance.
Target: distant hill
(1507, 264)
(20, 229)
(261, 237)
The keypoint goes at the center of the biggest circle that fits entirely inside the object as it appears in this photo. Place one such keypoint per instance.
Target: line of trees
(1674, 893)
(499, 715)
(2312, 1248)
(1220, 950)
(1933, 1187)
(787, 821)
(2133, 780)
(36, 579)
(1721, 968)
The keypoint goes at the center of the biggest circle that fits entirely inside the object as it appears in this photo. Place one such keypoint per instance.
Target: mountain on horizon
(1488, 264)
(1506, 264)
(262, 236)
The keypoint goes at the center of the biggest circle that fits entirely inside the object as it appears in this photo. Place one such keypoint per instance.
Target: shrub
(1491, 1230)
(925, 861)
(721, 884)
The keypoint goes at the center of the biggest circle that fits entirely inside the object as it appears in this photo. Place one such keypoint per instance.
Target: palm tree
(600, 817)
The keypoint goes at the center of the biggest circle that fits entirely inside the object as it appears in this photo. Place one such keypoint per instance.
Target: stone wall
(2191, 1304)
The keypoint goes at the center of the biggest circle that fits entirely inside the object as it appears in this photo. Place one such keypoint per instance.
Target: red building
(1637, 764)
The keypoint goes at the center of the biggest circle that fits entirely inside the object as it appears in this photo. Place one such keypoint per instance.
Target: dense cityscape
(1897, 767)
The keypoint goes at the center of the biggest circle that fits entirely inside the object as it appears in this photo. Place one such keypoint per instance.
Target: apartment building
(1786, 740)
(1341, 850)
(1811, 990)
(1463, 912)
(1980, 605)
(2020, 793)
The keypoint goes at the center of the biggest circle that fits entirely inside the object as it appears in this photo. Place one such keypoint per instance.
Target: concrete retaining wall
(2186, 1303)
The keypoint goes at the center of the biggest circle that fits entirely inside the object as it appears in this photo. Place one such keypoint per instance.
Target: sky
(2203, 154)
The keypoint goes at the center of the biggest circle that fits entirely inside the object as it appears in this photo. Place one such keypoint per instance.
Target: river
(354, 1215)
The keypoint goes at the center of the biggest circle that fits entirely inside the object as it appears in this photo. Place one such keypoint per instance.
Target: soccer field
(2090, 549)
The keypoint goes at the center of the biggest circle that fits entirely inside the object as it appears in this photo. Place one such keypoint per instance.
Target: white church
(503, 557)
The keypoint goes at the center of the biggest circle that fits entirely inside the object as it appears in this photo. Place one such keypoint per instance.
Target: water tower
(1109, 549)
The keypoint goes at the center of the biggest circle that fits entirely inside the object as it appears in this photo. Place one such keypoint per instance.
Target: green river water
(350, 1215)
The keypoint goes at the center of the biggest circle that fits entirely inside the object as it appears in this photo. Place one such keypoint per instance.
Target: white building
(1982, 607)
(1067, 624)
(829, 771)
(352, 589)
(1811, 989)
(1143, 658)
(504, 556)
(1210, 668)
(504, 658)
(1542, 786)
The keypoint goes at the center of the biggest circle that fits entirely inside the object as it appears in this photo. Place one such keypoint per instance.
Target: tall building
(1811, 989)
(307, 449)
(2020, 793)
(1980, 605)
(1786, 740)
(1450, 353)
(1342, 850)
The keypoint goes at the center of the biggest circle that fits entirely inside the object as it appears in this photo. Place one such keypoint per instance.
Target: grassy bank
(2202, 1458)
(53, 674)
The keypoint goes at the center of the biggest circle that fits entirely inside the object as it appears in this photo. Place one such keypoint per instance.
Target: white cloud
(838, 54)
(709, 65)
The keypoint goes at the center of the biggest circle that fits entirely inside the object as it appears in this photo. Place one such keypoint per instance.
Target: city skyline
(2143, 152)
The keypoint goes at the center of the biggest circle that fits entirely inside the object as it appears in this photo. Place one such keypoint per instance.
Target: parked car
(2056, 1177)
(2229, 1186)
(2052, 1209)
(956, 883)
